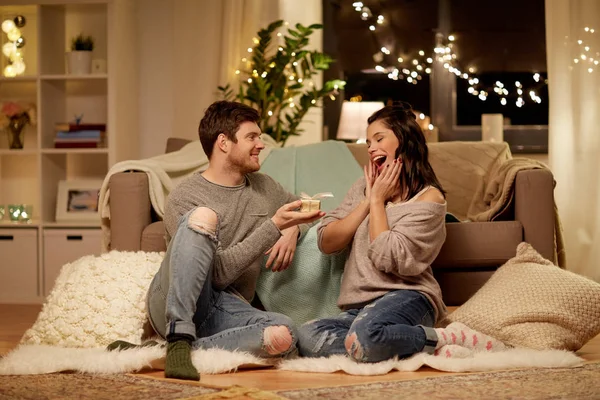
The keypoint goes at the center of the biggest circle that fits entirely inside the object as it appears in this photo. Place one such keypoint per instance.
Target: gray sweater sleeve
(232, 262)
(412, 243)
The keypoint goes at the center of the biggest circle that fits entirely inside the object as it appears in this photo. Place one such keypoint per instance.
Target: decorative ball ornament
(9, 71)
(8, 25)
(9, 48)
(14, 34)
(20, 42)
(20, 21)
(15, 56)
(19, 67)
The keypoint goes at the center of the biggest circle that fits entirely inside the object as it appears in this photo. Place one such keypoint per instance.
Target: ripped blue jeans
(182, 300)
(400, 324)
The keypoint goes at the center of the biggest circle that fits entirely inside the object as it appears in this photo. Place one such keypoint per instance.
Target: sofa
(472, 250)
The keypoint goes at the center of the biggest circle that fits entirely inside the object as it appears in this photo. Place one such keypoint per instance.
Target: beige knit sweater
(399, 258)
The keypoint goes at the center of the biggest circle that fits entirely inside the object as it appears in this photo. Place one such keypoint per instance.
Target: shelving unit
(31, 175)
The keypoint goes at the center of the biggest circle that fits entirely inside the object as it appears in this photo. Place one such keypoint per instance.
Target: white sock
(461, 335)
(453, 351)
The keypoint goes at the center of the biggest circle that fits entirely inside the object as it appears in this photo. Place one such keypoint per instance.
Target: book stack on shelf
(79, 136)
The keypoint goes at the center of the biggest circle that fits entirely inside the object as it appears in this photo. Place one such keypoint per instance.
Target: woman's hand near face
(387, 184)
(371, 174)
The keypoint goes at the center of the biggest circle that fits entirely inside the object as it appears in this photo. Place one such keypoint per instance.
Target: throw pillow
(530, 302)
(96, 300)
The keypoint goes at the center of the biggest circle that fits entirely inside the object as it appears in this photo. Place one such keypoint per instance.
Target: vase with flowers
(13, 119)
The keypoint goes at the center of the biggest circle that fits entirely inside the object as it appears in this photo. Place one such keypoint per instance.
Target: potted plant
(79, 59)
(277, 79)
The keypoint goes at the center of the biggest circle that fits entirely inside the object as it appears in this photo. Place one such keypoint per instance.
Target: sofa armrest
(534, 208)
(130, 210)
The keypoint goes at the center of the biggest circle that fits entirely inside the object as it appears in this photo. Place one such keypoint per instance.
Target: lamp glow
(353, 120)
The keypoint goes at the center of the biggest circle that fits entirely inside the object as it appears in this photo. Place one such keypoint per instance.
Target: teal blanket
(309, 288)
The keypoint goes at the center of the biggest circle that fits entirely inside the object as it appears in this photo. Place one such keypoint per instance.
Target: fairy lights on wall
(586, 58)
(412, 69)
(13, 48)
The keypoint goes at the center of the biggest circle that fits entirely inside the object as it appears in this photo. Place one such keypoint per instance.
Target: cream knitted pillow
(529, 302)
(97, 300)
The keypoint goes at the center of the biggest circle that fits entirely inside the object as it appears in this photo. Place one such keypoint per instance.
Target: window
(378, 87)
(469, 107)
(493, 42)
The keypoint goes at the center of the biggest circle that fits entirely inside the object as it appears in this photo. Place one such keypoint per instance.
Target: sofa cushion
(459, 285)
(530, 302)
(479, 244)
(468, 244)
(153, 237)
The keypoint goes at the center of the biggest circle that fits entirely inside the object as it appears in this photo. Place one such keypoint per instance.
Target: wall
(189, 47)
(307, 12)
(175, 69)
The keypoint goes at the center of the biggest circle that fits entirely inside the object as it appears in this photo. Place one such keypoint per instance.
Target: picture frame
(78, 200)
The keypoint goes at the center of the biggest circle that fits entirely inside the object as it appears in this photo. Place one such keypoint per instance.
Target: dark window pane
(378, 87)
(409, 27)
(502, 41)
(469, 107)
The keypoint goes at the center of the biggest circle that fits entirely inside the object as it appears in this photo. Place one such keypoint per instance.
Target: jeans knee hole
(353, 347)
(203, 220)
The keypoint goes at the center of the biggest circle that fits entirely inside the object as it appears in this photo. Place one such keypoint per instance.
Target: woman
(394, 220)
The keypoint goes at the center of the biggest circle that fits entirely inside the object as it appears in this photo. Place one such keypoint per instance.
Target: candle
(492, 129)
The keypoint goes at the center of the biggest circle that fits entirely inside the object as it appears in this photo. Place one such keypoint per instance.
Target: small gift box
(312, 203)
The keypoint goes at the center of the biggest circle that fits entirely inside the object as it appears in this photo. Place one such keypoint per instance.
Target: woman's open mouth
(380, 161)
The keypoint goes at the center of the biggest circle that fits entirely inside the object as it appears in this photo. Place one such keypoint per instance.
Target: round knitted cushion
(530, 302)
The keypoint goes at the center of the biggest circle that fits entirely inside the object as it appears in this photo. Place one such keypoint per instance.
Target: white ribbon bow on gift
(313, 203)
(316, 196)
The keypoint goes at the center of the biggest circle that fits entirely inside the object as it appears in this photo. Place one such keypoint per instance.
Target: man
(220, 223)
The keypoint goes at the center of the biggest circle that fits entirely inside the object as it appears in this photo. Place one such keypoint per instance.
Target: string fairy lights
(412, 69)
(290, 71)
(586, 57)
(12, 49)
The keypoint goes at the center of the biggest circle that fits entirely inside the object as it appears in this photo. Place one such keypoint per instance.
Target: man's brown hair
(223, 117)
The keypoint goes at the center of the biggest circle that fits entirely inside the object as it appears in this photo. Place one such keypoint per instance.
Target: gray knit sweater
(399, 258)
(245, 228)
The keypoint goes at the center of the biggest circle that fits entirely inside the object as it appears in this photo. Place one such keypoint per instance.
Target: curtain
(574, 126)
(241, 21)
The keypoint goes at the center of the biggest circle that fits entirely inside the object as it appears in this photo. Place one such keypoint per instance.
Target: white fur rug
(41, 359)
(98, 299)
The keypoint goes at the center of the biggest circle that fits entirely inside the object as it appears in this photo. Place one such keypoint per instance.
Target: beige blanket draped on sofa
(481, 182)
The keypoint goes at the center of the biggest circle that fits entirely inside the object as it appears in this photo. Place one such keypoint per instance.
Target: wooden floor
(15, 319)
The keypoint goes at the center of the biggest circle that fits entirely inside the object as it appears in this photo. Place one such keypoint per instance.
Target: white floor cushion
(96, 300)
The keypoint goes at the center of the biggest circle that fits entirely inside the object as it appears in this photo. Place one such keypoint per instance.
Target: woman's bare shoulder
(432, 195)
